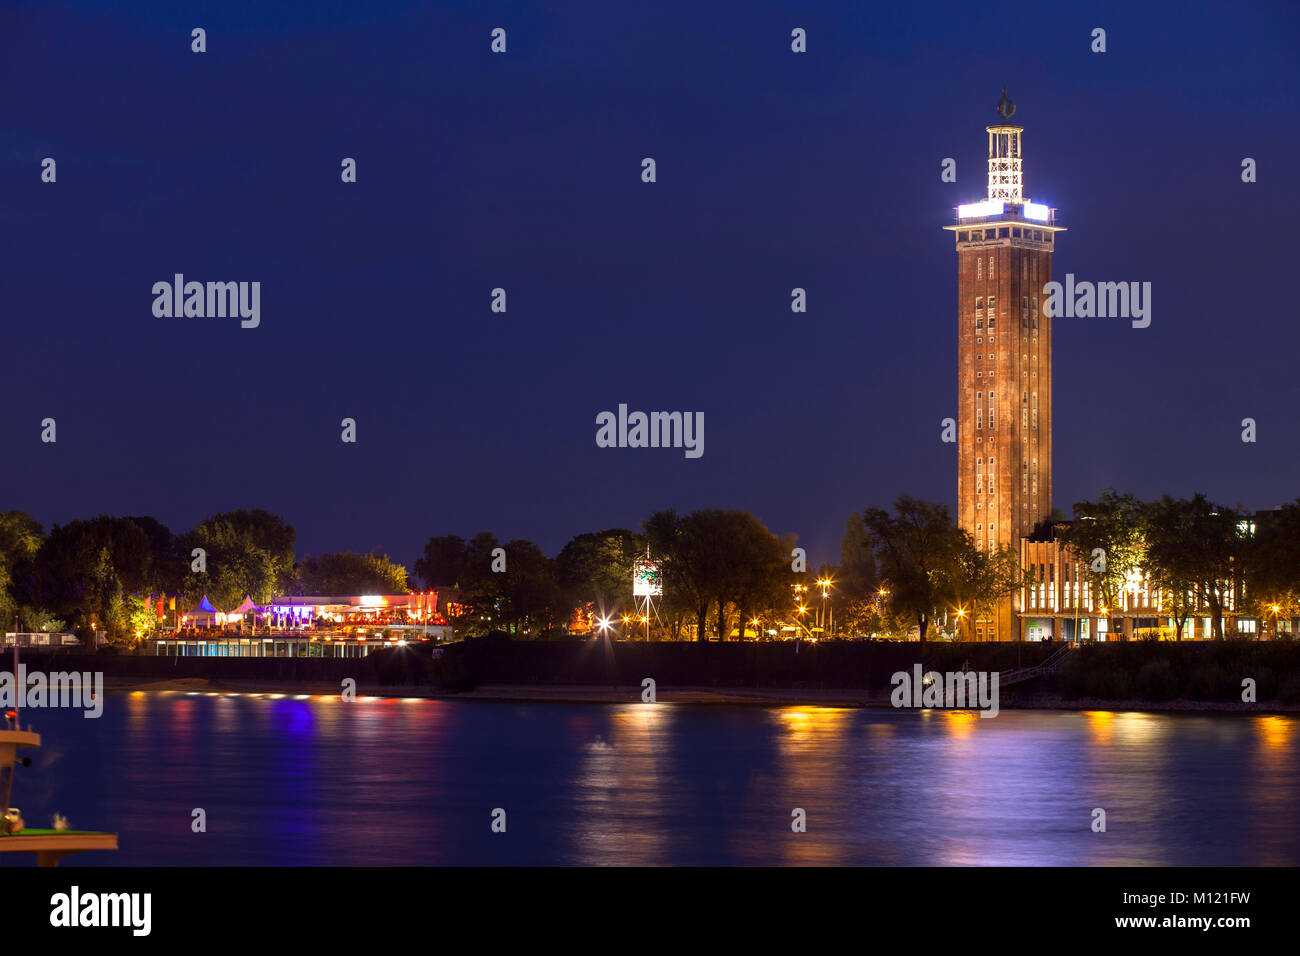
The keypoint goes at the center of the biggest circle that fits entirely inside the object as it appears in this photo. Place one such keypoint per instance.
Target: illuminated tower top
(1006, 192)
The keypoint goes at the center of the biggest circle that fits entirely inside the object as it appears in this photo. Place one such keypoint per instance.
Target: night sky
(523, 170)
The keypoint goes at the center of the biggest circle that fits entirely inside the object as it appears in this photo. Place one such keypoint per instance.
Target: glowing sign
(989, 207)
(1036, 210)
(646, 580)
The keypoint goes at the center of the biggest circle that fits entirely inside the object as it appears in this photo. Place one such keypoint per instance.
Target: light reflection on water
(389, 781)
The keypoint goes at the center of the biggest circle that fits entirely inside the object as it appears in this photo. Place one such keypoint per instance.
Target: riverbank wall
(1224, 671)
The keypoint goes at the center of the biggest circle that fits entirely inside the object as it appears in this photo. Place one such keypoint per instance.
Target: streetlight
(825, 585)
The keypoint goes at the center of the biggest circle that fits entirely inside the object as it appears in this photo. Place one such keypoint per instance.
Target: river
(285, 781)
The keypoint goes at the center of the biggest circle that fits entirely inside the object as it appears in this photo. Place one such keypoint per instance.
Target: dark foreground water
(292, 782)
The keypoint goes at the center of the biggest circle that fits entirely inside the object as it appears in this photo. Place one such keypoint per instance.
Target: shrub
(1156, 681)
(1265, 683)
(454, 673)
(1289, 692)
(1210, 682)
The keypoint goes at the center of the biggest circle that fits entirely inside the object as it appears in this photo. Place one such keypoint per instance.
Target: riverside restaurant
(290, 644)
(309, 626)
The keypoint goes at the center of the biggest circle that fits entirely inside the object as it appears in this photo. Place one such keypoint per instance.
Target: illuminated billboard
(646, 579)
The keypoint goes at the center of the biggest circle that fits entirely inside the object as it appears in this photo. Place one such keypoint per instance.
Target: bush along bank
(1228, 671)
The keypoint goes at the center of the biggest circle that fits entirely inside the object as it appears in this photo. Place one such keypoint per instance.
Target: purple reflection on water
(388, 781)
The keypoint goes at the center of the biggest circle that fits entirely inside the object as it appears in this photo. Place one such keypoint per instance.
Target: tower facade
(1004, 361)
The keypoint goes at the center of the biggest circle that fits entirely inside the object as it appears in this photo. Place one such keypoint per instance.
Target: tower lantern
(1006, 175)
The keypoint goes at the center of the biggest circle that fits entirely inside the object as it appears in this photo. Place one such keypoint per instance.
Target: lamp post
(825, 585)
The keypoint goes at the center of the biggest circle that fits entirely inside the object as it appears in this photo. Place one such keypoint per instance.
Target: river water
(285, 781)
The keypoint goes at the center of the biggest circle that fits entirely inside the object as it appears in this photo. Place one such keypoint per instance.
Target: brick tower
(1004, 361)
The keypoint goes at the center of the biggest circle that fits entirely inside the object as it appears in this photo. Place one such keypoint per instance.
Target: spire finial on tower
(1006, 108)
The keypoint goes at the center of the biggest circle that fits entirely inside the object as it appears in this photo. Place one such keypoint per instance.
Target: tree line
(725, 576)
(1202, 557)
(110, 573)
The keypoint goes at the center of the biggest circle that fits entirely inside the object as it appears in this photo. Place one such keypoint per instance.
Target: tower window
(992, 311)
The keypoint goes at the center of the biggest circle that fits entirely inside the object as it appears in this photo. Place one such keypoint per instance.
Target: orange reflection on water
(1100, 726)
(814, 748)
(1273, 781)
(1274, 732)
(960, 723)
(620, 791)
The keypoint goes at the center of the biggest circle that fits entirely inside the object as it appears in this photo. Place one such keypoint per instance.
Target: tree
(684, 562)
(443, 561)
(20, 540)
(724, 560)
(597, 568)
(529, 599)
(167, 568)
(982, 579)
(346, 573)
(1208, 545)
(84, 570)
(480, 588)
(857, 577)
(36, 619)
(757, 573)
(248, 553)
(1107, 537)
(1271, 565)
(1170, 562)
(918, 551)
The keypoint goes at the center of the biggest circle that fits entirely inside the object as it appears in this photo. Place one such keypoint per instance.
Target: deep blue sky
(522, 170)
